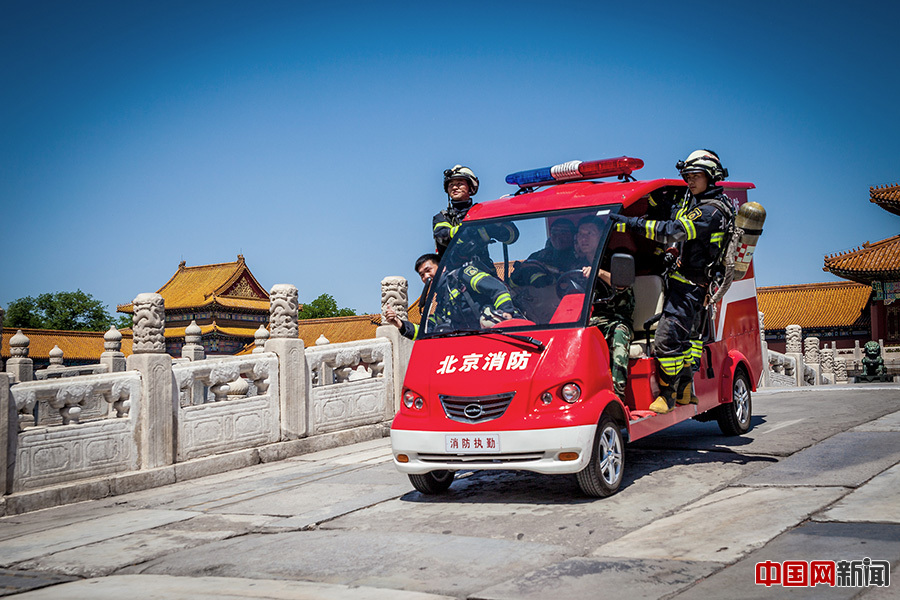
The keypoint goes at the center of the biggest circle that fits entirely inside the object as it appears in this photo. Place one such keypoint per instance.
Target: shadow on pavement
(523, 487)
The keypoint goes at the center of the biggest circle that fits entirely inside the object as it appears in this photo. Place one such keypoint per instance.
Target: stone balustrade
(74, 428)
(136, 423)
(806, 362)
(350, 383)
(226, 404)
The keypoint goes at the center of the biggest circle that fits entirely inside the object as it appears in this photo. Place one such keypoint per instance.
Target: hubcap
(611, 456)
(741, 400)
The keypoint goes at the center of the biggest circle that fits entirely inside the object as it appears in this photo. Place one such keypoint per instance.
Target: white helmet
(461, 172)
(703, 161)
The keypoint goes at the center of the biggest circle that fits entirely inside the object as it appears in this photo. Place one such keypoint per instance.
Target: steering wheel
(571, 282)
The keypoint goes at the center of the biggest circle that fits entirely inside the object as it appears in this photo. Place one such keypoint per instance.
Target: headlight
(413, 400)
(570, 392)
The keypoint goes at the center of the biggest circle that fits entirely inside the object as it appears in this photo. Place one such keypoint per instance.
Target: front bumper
(535, 450)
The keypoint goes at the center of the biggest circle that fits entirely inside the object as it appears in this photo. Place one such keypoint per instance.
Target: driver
(613, 310)
(614, 316)
(557, 256)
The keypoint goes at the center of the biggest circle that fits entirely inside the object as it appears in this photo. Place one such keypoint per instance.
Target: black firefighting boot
(665, 402)
(685, 391)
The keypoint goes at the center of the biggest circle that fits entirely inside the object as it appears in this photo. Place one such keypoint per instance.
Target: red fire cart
(508, 373)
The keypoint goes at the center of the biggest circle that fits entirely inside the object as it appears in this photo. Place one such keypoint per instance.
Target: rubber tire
(734, 417)
(603, 474)
(433, 482)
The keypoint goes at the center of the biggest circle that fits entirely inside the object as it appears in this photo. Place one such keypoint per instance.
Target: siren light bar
(576, 169)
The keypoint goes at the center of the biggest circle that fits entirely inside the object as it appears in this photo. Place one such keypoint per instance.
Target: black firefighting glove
(622, 222)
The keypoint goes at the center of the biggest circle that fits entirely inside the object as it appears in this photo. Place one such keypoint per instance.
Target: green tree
(72, 311)
(124, 322)
(324, 306)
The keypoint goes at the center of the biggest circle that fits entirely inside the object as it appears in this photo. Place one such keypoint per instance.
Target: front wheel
(603, 474)
(433, 482)
(734, 417)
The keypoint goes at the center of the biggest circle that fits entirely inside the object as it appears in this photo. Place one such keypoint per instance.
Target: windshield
(521, 272)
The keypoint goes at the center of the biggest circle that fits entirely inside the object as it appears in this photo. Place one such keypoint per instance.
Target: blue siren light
(575, 170)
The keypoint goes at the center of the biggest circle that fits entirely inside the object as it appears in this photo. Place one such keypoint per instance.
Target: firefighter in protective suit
(460, 184)
(699, 227)
(469, 296)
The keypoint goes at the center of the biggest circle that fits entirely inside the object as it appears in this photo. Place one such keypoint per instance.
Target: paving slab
(876, 501)
(583, 578)
(85, 532)
(441, 564)
(810, 541)
(12, 526)
(889, 422)
(724, 526)
(306, 507)
(165, 587)
(846, 459)
(108, 556)
(345, 452)
(14, 581)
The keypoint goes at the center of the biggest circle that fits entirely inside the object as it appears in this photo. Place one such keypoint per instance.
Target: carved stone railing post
(112, 355)
(793, 348)
(9, 428)
(827, 363)
(284, 341)
(812, 357)
(159, 395)
(19, 365)
(259, 339)
(193, 349)
(840, 370)
(394, 294)
(57, 359)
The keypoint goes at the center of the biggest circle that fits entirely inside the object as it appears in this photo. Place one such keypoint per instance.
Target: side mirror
(621, 271)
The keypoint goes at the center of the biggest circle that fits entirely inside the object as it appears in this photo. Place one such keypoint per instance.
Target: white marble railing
(60, 372)
(349, 384)
(226, 404)
(73, 428)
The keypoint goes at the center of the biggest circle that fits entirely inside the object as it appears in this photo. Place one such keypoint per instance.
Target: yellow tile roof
(835, 304)
(76, 345)
(887, 197)
(227, 284)
(339, 329)
(873, 261)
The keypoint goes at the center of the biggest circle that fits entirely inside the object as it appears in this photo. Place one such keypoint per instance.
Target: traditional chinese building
(225, 300)
(834, 312)
(876, 265)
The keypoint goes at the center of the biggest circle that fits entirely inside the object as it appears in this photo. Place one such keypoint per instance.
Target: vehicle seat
(648, 302)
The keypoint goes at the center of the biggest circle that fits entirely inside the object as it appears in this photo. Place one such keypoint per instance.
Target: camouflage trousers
(618, 337)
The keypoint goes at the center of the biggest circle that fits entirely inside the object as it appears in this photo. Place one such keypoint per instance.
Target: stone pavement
(818, 478)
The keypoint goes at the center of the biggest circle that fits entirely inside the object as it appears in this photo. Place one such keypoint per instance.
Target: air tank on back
(750, 218)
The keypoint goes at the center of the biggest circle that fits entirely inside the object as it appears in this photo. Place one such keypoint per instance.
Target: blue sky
(312, 137)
